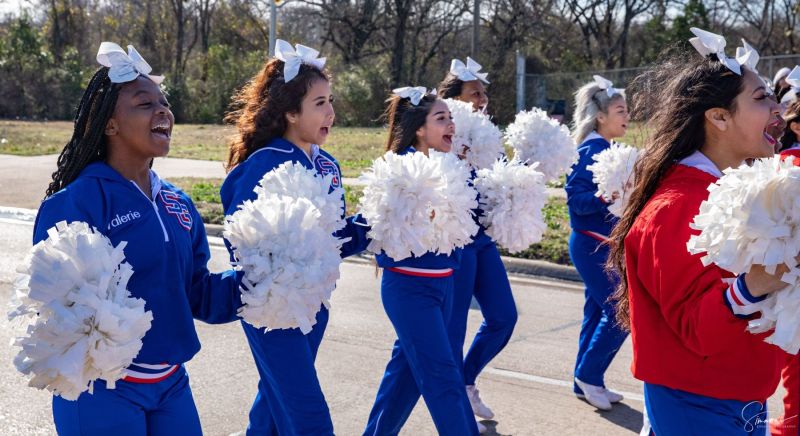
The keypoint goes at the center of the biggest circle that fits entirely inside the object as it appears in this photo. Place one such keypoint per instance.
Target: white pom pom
(81, 322)
(613, 174)
(417, 204)
(512, 197)
(290, 261)
(476, 133)
(293, 180)
(535, 137)
(752, 217)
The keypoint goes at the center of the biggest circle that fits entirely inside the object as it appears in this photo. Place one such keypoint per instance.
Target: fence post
(520, 82)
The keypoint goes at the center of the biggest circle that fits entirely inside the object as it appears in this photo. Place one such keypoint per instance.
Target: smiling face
(614, 122)
(438, 130)
(474, 92)
(756, 113)
(312, 124)
(141, 126)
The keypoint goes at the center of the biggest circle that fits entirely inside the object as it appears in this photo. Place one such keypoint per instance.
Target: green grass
(205, 195)
(554, 246)
(353, 147)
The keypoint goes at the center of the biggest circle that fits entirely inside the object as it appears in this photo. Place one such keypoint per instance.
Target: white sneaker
(594, 395)
(613, 397)
(478, 407)
(481, 428)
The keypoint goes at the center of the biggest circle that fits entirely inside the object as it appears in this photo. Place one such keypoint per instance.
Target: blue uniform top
(240, 182)
(167, 248)
(428, 260)
(587, 212)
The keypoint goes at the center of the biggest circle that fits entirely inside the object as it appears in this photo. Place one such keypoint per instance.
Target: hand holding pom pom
(82, 323)
(290, 259)
(613, 174)
(752, 220)
(417, 204)
(512, 197)
(535, 137)
(476, 138)
(293, 180)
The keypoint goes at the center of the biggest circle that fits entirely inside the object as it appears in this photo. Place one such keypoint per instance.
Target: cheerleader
(482, 273)
(285, 114)
(417, 295)
(703, 372)
(787, 423)
(601, 114)
(123, 122)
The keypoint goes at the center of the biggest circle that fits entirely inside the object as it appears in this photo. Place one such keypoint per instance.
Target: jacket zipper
(155, 208)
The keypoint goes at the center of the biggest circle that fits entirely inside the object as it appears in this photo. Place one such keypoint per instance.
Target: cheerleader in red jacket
(703, 372)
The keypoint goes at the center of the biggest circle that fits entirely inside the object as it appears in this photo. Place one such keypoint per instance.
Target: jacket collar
(101, 170)
(284, 146)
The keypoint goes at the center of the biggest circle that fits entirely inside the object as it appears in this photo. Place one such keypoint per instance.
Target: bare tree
(605, 27)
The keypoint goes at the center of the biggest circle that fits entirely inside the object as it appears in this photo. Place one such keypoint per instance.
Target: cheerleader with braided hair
(123, 122)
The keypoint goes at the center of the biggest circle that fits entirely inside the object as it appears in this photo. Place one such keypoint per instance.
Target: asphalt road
(528, 385)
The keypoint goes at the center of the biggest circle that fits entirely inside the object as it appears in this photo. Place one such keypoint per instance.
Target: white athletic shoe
(594, 395)
(613, 397)
(481, 428)
(478, 407)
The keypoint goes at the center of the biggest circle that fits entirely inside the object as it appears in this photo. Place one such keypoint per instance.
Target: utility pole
(476, 26)
(273, 25)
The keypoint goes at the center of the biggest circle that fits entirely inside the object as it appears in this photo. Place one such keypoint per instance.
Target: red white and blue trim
(422, 272)
(594, 235)
(739, 299)
(146, 373)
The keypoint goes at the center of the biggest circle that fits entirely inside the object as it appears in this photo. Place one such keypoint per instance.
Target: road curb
(527, 267)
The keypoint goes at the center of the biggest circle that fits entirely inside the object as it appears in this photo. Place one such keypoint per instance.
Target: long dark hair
(791, 116)
(450, 87)
(404, 120)
(259, 109)
(88, 142)
(674, 95)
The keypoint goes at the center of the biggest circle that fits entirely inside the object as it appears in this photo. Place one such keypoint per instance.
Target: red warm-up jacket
(685, 335)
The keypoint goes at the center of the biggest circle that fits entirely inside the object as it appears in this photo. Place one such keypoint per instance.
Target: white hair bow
(793, 79)
(413, 93)
(294, 58)
(124, 67)
(707, 43)
(606, 85)
(748, 57)
(468, 72)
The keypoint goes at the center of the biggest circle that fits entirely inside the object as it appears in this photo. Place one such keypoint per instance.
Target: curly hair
(259, 109)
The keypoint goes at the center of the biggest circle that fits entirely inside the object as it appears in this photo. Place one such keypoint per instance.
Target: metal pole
(476, 26)
(273, 21)
(520, 82)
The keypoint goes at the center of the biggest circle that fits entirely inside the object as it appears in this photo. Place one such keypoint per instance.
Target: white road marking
(551, 381)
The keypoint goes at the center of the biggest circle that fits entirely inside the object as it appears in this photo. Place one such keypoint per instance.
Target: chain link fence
(554, 92)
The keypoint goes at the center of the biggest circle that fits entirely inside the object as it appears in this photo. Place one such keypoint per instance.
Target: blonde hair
(590, 100)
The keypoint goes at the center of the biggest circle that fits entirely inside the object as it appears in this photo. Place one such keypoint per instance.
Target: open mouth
(771, 130)
(447, 139)
(163, 130)
(770, 139)
(325, 131)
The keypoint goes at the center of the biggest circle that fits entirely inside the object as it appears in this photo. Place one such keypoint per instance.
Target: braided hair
(88, 143)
